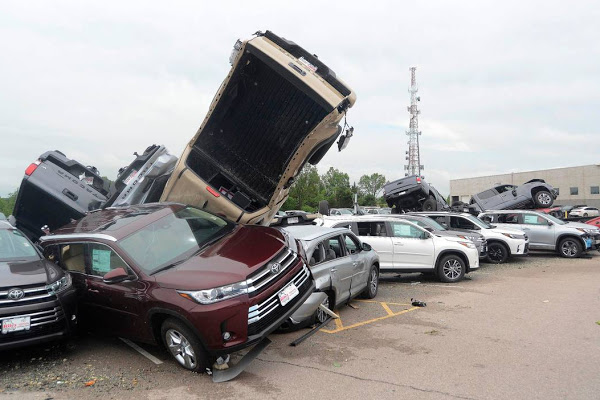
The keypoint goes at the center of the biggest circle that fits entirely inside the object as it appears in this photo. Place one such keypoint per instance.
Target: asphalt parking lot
(529, 329)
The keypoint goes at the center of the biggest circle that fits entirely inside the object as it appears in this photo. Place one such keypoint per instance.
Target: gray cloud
(504, 87)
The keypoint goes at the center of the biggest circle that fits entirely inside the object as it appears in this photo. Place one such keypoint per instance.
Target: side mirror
(514, 192)
(116, 275)
(366, 247)
(425, 235)
(345, 139)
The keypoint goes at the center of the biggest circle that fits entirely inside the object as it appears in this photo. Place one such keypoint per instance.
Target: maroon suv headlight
(210, 296)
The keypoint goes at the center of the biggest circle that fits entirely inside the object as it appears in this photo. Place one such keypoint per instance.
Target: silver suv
(569, 239)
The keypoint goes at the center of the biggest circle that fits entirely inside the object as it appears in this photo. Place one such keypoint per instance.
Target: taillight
(418, 179)
(32, 167)
(213, 191)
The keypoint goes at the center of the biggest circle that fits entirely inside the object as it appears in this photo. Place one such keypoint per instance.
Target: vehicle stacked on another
(168, 273)
(535, 193)
(545, 232)
(343, 268)
(404, 246)
(413, 194)
(584, 212)
(37, 298)
(502, 242)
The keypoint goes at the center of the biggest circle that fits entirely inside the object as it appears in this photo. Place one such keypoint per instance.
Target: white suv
(404, 246)
(569, 239)
(502, 242)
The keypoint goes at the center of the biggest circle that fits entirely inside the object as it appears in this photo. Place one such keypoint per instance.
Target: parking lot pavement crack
(368, 379)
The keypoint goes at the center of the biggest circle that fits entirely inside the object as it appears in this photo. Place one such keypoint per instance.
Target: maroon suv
(170, 273)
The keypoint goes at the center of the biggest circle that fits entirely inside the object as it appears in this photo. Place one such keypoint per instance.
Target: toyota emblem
(275, 267)
(16, 294)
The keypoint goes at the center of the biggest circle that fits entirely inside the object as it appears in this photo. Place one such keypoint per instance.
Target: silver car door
(541, 233)
(375, 234)
(411, 249)
(359, 264)
(340, 266)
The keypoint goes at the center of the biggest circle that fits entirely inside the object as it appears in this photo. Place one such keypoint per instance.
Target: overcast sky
(505, 86)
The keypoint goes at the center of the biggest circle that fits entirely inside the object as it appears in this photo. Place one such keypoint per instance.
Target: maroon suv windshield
(174, 238)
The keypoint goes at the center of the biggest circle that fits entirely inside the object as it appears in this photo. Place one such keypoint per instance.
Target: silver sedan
(343, 268)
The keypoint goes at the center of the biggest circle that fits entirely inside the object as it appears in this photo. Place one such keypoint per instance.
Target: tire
(184, 346)
(585, 215)
(497, 253)
(320, 316)
(451, 269)
(570, 248)
(430, 204)
(543, 199)
(372, 283)
(324, 207)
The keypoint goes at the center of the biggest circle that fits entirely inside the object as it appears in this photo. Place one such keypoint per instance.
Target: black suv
(37, 299)
(413, 194)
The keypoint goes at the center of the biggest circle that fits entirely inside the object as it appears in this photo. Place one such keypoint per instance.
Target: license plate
(288, 293)
(16, 324)
(293, 220)
(588, 243)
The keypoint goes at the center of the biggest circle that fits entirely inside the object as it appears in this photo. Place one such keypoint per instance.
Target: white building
(576, 185)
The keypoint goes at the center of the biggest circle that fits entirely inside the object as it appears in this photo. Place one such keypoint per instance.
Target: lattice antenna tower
(413, 155)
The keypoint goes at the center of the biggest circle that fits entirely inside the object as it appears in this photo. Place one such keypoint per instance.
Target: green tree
(305, 191)
(337, 188)
(371, 184)
(7, 204)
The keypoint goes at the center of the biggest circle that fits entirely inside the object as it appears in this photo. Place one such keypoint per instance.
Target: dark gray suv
(535, 193)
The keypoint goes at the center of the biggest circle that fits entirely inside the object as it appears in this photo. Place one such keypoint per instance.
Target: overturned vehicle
(278, 108)
(535, 193)
(413, 194)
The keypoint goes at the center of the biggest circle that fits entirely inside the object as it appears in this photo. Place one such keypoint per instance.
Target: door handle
(398, 244)
(355, 264)
(70, 194)
(526, 229)
(333, 269)
(93, 290)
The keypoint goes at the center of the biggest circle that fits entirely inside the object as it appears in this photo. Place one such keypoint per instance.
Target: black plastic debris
(418, 303)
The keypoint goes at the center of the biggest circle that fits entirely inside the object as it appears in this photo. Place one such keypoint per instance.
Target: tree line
(334, 186)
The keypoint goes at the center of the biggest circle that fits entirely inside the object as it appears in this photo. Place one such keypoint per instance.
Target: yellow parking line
(340, 327)
(387, 302)
(387, 309)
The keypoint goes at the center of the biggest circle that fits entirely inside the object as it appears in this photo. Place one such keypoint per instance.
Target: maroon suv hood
(230, 260)
(27, 273)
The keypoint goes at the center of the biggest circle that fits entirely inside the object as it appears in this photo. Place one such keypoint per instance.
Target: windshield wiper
(168, 266)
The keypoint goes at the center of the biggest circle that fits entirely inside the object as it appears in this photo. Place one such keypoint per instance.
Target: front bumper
(50, 320)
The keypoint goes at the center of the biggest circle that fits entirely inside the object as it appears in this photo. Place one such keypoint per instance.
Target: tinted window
(487, 194)
(461, 223)
(372, 229)
(508, 218)
(318, 255)
(406, 231)
(174, 237)
(15, 246)
(440, 220)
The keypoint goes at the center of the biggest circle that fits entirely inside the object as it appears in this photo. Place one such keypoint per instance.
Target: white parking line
(448, 286)
(142, 351)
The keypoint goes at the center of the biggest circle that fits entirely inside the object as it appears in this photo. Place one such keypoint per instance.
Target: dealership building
(576, 185)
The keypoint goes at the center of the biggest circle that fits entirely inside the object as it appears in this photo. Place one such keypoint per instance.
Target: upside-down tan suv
(278, 108)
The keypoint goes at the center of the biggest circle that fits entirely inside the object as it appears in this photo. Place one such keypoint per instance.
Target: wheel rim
(495, 253)
(544, 198)
(322, 315)
(585, 215)
(373, 282)
(181, 349)
(569, 248)
(452, 269)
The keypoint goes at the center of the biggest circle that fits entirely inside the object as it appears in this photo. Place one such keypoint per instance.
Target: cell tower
(413, 155)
